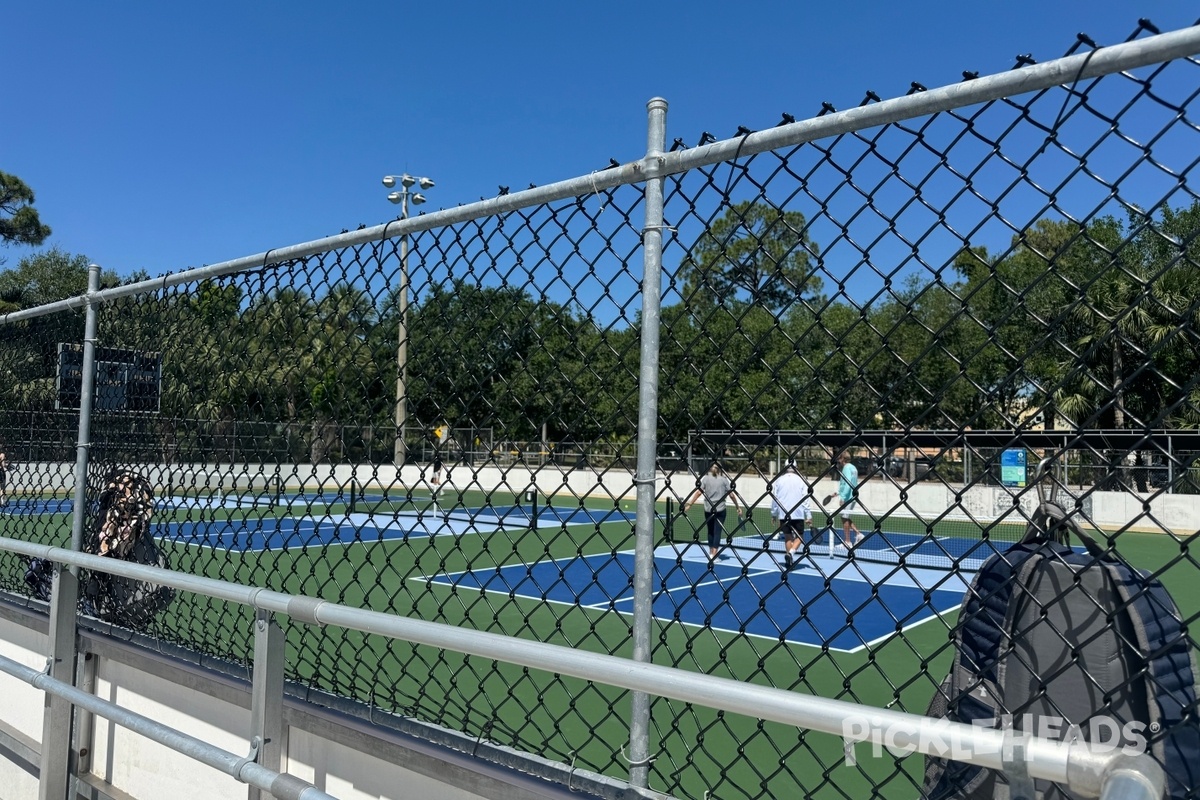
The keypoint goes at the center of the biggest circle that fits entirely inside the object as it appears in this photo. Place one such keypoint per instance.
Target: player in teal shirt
(848, 494)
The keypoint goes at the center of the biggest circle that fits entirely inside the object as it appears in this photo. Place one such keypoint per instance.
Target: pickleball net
(949, 543)
(497, 508)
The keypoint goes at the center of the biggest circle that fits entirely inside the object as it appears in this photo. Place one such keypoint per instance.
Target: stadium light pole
(403, 197)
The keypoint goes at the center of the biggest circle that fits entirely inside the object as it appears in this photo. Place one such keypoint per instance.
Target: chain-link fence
(949, 287)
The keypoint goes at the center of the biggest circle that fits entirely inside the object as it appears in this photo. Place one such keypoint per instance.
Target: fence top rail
(1076, 764)
(1102, 61)
(1034, 77)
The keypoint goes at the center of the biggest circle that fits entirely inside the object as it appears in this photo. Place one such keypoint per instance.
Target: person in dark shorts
(441, 434)
(790, 508)
(715, 487)
(3, 477)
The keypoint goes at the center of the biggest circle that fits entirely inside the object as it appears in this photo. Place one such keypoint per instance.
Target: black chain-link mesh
(950, 299)
(37, 443)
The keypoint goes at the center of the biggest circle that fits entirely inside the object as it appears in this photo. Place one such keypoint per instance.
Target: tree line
(1094, 325)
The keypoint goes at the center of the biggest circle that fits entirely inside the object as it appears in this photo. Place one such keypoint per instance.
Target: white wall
(22, 704)
(1178, 513)
(358, 774)
(1112, 511)
(148, 771)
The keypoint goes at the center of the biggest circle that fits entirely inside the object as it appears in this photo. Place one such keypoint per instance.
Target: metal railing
(1108, 774)
(242, 768)
(1017, 254)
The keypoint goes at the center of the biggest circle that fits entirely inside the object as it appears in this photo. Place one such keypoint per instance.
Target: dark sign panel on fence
(126, 380)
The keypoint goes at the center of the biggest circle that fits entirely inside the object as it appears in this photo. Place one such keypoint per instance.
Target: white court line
(838, 567)
(875, 573)
(925, 579)
(430, 523)
(611, 607)
(716, 581)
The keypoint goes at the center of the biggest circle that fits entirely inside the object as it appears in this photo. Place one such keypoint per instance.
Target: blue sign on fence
(1012, 467)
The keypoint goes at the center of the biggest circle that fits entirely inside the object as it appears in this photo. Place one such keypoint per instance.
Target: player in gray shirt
(715, 487)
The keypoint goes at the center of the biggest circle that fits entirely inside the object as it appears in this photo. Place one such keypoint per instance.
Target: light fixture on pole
(403, 196)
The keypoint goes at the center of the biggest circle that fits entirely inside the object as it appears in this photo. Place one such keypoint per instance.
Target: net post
(531, 495)
(669, 522)
(353, 506)
(1170, 467)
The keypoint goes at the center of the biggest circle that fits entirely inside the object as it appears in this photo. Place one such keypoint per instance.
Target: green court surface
(697, 750)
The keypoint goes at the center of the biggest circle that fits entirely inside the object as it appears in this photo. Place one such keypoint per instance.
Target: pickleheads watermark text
(945, 739)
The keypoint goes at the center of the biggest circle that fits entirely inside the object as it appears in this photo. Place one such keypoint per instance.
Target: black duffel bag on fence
(122, 530)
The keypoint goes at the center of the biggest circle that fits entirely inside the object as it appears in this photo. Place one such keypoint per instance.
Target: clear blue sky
(160, 136)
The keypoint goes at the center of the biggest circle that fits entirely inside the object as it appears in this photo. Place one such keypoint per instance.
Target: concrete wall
(1112, 511)
(21, 718)
(344, 756)
(144, 768)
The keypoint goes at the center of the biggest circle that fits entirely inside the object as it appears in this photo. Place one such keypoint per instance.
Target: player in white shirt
(790, 494)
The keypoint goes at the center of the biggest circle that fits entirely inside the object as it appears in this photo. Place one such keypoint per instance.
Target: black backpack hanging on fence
(1081, 639)
(39, 577)
(122, 530)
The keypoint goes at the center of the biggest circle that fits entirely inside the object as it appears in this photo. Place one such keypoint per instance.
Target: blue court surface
(505, 514)
(36, 507)
(967, 553)
(256, 534)
(272, 533)
(826, 600)
(844, 604)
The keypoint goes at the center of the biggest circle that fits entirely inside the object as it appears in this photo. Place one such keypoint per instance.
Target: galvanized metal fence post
(266, 706)
(647, 441)
(55, 779)
(85, 726)
(87, 396)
